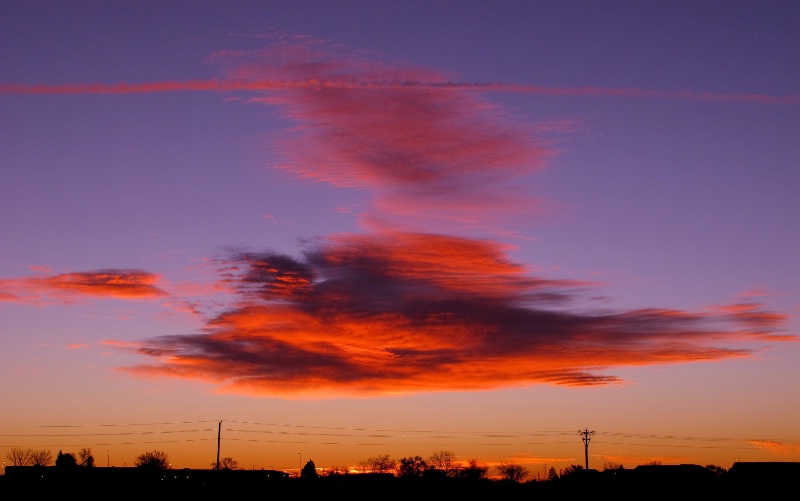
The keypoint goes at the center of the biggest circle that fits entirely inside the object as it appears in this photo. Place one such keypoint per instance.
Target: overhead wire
(304, 434)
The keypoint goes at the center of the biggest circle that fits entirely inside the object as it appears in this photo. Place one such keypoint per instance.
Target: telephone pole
(219, 434)
(586, 436)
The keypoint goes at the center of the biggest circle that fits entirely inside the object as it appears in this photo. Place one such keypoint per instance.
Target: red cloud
(110, 283)
(404, 313)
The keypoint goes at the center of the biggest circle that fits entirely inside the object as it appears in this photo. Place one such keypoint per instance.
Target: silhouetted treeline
(687, 481)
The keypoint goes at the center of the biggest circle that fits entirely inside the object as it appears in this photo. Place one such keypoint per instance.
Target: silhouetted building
(764, 474)
(758, 479)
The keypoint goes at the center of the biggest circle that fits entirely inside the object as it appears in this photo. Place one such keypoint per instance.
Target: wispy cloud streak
(218, 85)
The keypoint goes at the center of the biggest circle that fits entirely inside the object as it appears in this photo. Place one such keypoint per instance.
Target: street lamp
(301, 464)
(108, 459)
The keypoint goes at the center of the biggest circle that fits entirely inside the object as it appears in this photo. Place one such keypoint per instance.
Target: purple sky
(363, 228)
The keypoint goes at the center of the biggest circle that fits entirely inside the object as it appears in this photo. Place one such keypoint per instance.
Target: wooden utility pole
(219, 434)
(586, 436)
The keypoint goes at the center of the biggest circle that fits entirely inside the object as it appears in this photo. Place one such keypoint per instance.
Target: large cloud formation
(426, 299)
(409, 312)
(408, 306)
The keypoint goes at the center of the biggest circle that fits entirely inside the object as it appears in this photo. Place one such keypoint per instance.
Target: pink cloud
(423, 151)
(215, 85)
(78, 346)
(8, 297)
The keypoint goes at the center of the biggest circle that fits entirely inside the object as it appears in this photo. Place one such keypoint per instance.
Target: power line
(122, 424)
(442, 433)
(105, 434)
(381, 436)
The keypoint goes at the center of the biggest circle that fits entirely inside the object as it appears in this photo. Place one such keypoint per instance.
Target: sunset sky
(348, 229)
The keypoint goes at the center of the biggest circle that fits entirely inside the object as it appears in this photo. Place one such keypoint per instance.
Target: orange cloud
(404, 313)
(775, 446)
(109, 283)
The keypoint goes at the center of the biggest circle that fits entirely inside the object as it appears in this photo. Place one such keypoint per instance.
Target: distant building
(121, 476)
(764, 472)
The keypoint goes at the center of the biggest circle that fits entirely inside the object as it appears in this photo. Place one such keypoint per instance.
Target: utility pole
(586, 436)
(219, 434)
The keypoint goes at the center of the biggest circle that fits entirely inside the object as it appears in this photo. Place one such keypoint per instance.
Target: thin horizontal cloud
(109, 283)
(750, 314)
(365, 315)
(106, 283)
(78, 346)
(7, 297)
(221, 85)
(776, 446)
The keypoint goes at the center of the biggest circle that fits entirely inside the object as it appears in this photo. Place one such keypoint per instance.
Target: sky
(285, 231)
